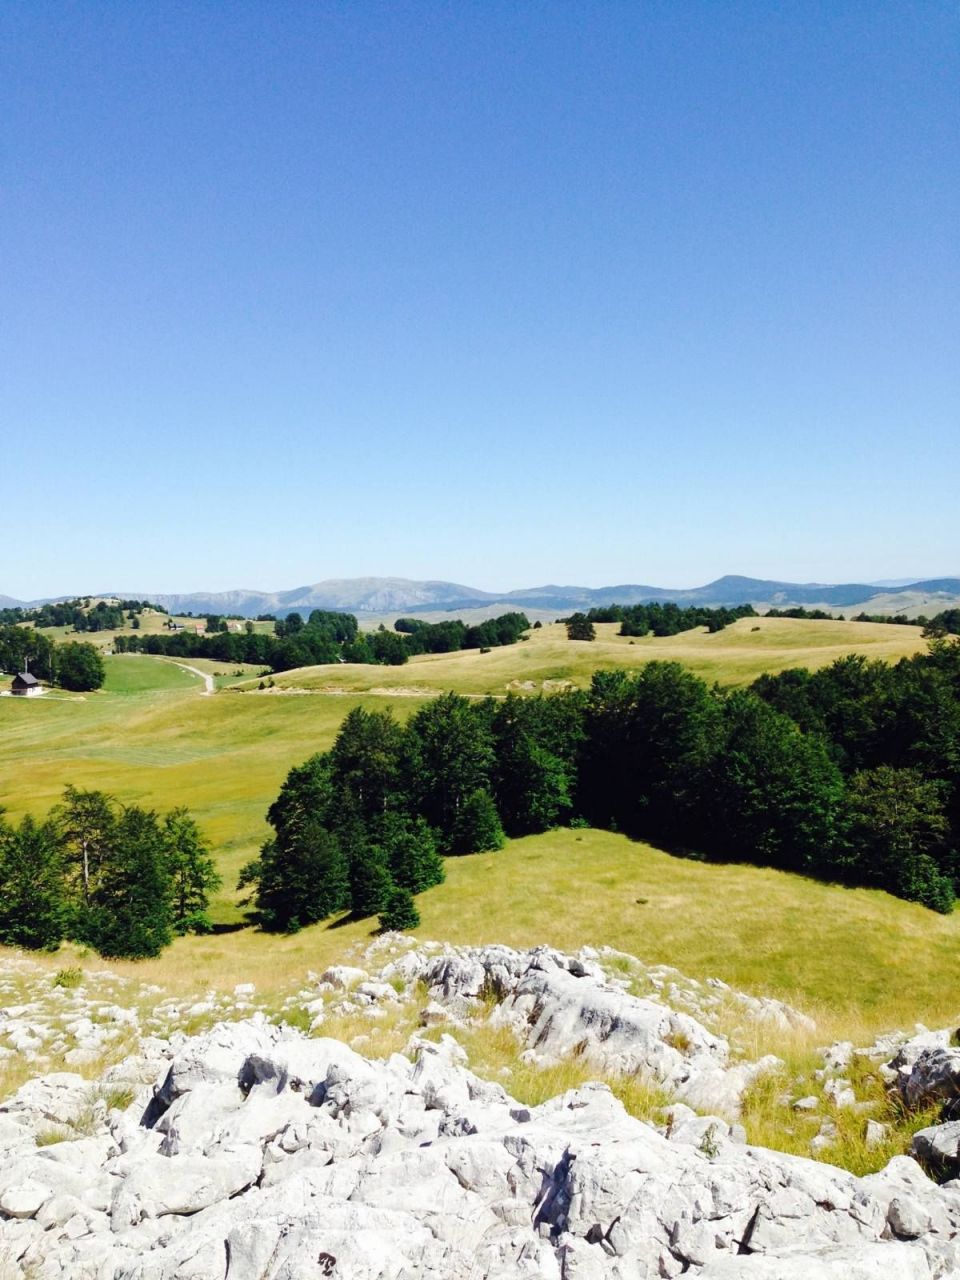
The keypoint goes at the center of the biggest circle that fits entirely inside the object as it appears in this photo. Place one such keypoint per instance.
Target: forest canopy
(119, 878)
(850, 773)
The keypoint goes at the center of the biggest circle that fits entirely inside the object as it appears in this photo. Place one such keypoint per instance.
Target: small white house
(26, 685)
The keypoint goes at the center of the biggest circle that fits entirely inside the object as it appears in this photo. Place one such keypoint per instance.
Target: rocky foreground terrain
(252, 1151)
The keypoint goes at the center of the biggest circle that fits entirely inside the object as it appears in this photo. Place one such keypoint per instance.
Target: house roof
(25, 677)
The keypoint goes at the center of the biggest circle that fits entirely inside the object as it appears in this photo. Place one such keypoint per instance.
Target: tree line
(453, 635)
(946, 622)
(851, 773)
(118, 878)
(327, 637)
(658, 619)
(76, 665)
(670, 619)
(80, 614)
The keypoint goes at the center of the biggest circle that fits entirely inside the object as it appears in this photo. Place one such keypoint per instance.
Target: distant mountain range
(367, 596)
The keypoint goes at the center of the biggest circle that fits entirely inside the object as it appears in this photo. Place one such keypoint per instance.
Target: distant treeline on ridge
(666, 619)
(80, 614)
(330, 637)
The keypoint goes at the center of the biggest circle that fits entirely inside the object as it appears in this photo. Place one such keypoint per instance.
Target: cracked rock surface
(259, 1154)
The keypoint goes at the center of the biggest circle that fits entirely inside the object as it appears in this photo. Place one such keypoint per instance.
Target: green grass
(857, 958)
(734, 656)
(139, 673)
(150, 738)
(225, 674)
(859, 961)
(859, 953)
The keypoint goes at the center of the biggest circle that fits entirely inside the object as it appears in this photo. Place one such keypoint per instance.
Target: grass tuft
(68, 978)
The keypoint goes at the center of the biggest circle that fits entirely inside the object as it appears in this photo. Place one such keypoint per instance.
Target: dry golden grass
(734, 656)
(493, 1054)
(859, 961)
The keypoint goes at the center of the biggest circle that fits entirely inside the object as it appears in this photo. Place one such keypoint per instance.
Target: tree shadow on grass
(349, 918)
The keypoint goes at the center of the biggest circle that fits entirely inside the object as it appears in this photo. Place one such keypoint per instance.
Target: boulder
(182, 1185)
(930, 1075)
(938, 1147)
(24, 1199)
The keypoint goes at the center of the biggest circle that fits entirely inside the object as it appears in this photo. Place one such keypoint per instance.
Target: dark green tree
(20, 646)
(307, 795)
(411, 852)
(129, 913)
(300, 878)
(365, 761)
(648, 740)
(79, 667)
(899, 835)
(85, 822)
(400, 911)
(531, 785)
(477, 828)
(191, 871)
(33, 909)
(579, 627)
(773, 795)
(370, 881)
(448, 755)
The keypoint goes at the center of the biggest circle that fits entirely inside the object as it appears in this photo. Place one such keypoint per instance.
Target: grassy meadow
(151, 624)
(857, 960)
(152, 737)
(734, 656)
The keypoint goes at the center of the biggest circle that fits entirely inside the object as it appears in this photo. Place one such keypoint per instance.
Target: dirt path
(208, 685)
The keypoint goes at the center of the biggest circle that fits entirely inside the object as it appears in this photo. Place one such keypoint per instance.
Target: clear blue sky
(499, 293)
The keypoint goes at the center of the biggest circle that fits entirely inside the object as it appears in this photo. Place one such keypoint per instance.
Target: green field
(734, 656)
(152, 737)
(133, 673)
(858, 960)
(162, 744)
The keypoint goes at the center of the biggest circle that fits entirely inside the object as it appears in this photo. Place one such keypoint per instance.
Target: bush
(579, 627)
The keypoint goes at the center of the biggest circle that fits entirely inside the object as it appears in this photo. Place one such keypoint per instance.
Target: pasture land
(859, 961)
(133, 673)
(150, 738)
(734, 656)
(161, 744)
(151, 624)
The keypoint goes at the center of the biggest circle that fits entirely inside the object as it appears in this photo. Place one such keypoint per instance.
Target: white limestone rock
(341, 977)
(182, 1185)
(24, 1199)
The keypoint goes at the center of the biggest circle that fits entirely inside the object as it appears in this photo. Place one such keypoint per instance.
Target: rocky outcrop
(561, 1006)
(926, 1070)
(251, 1152)
(259, 1154)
